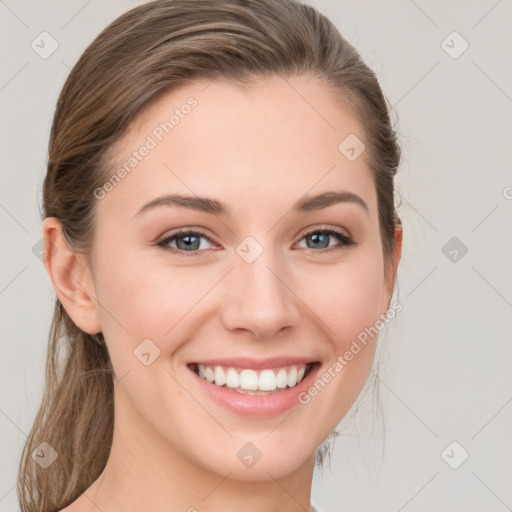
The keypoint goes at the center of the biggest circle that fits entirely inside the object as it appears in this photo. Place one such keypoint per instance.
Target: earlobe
(71, 278)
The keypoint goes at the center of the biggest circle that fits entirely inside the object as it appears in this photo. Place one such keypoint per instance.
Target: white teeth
(220, 378)
(210, 376)
(292, 377)
(232, 378)
(249, 380)
(282, 378)
(267, 380)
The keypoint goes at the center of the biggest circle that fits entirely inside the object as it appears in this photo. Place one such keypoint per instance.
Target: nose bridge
(260, 300)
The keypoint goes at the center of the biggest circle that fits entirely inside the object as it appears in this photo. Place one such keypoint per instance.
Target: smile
(250, 381)
(254, 388)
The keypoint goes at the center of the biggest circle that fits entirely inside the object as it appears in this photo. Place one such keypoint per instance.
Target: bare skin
(258, 150)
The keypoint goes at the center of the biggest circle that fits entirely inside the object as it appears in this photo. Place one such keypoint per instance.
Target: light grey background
(448, 368)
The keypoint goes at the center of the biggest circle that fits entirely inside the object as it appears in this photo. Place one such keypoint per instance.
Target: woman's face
(256, 280)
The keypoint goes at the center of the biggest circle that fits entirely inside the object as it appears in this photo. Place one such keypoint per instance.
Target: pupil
(187, 240)
(317, 236)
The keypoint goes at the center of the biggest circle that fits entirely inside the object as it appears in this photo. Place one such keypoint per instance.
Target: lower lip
(254, 405)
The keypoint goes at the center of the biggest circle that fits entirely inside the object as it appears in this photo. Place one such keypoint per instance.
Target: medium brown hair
(150, 49)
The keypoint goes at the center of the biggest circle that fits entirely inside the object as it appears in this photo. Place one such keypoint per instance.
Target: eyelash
(345, 241)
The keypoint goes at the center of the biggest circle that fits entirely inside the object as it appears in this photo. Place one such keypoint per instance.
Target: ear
(71, 278)
(397, 254)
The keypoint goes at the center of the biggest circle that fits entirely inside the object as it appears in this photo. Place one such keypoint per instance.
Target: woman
(220, 230)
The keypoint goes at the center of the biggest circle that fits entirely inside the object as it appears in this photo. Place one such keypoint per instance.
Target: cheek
(348, 303)
(148, 314)
(138, 302)
(347, 298)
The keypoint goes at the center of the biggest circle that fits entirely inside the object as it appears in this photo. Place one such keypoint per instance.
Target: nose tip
(260, 301)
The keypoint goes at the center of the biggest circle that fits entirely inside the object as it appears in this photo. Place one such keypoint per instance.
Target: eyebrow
(215, 207)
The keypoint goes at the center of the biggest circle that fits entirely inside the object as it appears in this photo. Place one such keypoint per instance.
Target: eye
(320, 237)
(186, 242)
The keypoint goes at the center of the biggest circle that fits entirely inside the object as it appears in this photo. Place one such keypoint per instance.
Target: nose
(259, 299)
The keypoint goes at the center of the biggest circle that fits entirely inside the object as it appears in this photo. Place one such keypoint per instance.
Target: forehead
(275, 138)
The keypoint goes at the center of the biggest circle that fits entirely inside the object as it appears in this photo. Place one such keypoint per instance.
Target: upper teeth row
(249, 379)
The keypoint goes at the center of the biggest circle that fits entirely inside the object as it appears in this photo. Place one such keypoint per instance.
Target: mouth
(254, 382)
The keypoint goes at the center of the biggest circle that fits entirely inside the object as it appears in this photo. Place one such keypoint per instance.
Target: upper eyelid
(183, 232)
(323, 227)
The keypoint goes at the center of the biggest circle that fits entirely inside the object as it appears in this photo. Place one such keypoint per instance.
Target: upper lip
(256, 364)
